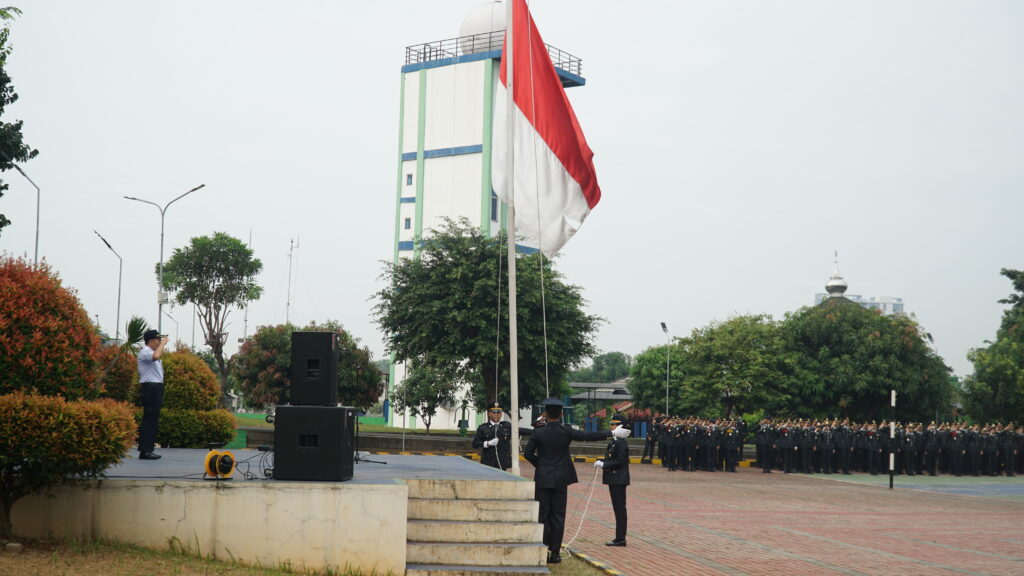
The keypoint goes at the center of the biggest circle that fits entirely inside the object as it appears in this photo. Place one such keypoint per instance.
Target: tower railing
(487, 42)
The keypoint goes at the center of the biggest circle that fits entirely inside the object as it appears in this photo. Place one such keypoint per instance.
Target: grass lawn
(76, 558)
(260, 421)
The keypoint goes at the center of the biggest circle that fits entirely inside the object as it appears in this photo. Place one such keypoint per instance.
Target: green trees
(446, 314)
(424, 390)
(995, 392)
(835, 359)
(214, 274)
(263, 363)
(12, 147)
(607, 367)
(850, 358)
(741, 364)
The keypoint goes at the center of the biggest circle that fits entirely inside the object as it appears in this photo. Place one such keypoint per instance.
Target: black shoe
(554, 558)
(616, 543)
(149, 456)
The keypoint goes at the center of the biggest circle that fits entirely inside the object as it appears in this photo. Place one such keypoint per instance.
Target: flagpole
(513, 340)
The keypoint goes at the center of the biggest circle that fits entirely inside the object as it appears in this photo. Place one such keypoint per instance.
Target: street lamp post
(160, 295)
(176, 326)
(38, 197)
(668, 362)
(120, 266)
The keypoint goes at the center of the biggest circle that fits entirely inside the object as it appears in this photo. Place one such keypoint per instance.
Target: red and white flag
(555, 183)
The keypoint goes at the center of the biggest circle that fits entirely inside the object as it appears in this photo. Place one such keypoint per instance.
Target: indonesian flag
(555, 183)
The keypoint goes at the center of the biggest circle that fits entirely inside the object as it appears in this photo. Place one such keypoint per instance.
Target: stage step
(446, 570)
(477, 554)
(462, 531)
(473, 510)
(512, 489)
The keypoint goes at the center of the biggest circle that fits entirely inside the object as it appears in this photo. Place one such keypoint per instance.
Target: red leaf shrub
(44, 439)
(120, 374)
(47, 343)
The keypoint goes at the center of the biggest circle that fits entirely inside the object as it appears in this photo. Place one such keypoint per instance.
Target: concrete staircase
(473, 528)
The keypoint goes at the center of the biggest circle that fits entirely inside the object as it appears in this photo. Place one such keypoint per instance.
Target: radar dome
(483, 29)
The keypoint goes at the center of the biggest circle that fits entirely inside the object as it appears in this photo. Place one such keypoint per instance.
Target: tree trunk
(6, 504)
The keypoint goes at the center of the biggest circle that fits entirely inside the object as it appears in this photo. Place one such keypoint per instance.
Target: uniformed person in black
(548, 451)
(615, 467)
(494, 439)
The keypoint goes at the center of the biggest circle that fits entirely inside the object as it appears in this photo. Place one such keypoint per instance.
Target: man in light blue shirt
(151, 391)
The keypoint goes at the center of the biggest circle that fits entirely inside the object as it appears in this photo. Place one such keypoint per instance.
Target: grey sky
(737, 145)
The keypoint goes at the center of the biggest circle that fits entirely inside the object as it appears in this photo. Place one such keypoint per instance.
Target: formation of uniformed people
(834, 446)
(696, 443)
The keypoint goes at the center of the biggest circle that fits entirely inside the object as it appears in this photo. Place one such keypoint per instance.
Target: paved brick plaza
(683, 523)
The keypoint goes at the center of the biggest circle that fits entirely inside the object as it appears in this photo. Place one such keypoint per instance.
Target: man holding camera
(151, 391)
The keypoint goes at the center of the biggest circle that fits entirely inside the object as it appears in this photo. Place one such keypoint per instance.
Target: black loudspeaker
(314, 443)
(314, 369)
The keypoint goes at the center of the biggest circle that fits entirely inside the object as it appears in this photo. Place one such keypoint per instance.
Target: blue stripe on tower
(443, 152)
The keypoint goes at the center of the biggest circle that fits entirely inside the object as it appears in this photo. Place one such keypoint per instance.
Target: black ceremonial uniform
(499, 456)
(616, 477)
(548, 451)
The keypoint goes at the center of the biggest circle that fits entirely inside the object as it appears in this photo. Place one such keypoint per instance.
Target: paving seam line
(596, 563)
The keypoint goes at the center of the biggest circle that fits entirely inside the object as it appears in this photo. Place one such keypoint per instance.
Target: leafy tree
(995, 392)
(48, 345)
(446, 313)
(360, 384)
(214, 274)
(263, 364)
(647, 377)
(423, 391)
(607, 367)
(742, 363)
(849, 358)
(12, 147)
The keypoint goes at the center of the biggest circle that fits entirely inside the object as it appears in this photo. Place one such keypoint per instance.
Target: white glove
(599, 464)
(491, 442)
(621, 432)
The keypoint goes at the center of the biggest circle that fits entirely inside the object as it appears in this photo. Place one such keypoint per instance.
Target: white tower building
(444, 140)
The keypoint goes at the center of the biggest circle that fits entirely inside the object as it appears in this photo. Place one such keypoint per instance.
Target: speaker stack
(313, 437)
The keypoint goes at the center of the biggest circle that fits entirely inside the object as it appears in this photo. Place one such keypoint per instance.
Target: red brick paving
(748, 523)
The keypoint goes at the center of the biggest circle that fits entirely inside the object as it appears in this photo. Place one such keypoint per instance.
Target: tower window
(408, 223)
(494, 207)
(408, 179)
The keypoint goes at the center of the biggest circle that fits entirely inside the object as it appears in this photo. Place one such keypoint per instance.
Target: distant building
(444, 147)
(836, 288)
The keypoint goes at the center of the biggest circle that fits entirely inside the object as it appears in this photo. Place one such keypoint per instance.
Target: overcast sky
(737, 145)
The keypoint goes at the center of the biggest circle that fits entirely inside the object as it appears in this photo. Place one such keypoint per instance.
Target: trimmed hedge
(189, 383)
(44, 439)
(193, 428)
(48, 345)
(120, 375)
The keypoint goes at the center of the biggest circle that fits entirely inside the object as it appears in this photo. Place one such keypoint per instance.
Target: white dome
(484, 24)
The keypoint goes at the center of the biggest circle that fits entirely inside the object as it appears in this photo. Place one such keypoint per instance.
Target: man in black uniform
(494, 438)
(651, 441)
(548, 451)
(615, 467)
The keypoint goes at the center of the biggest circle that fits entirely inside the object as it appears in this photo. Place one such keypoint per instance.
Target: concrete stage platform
(185, 464)
(370, 522)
